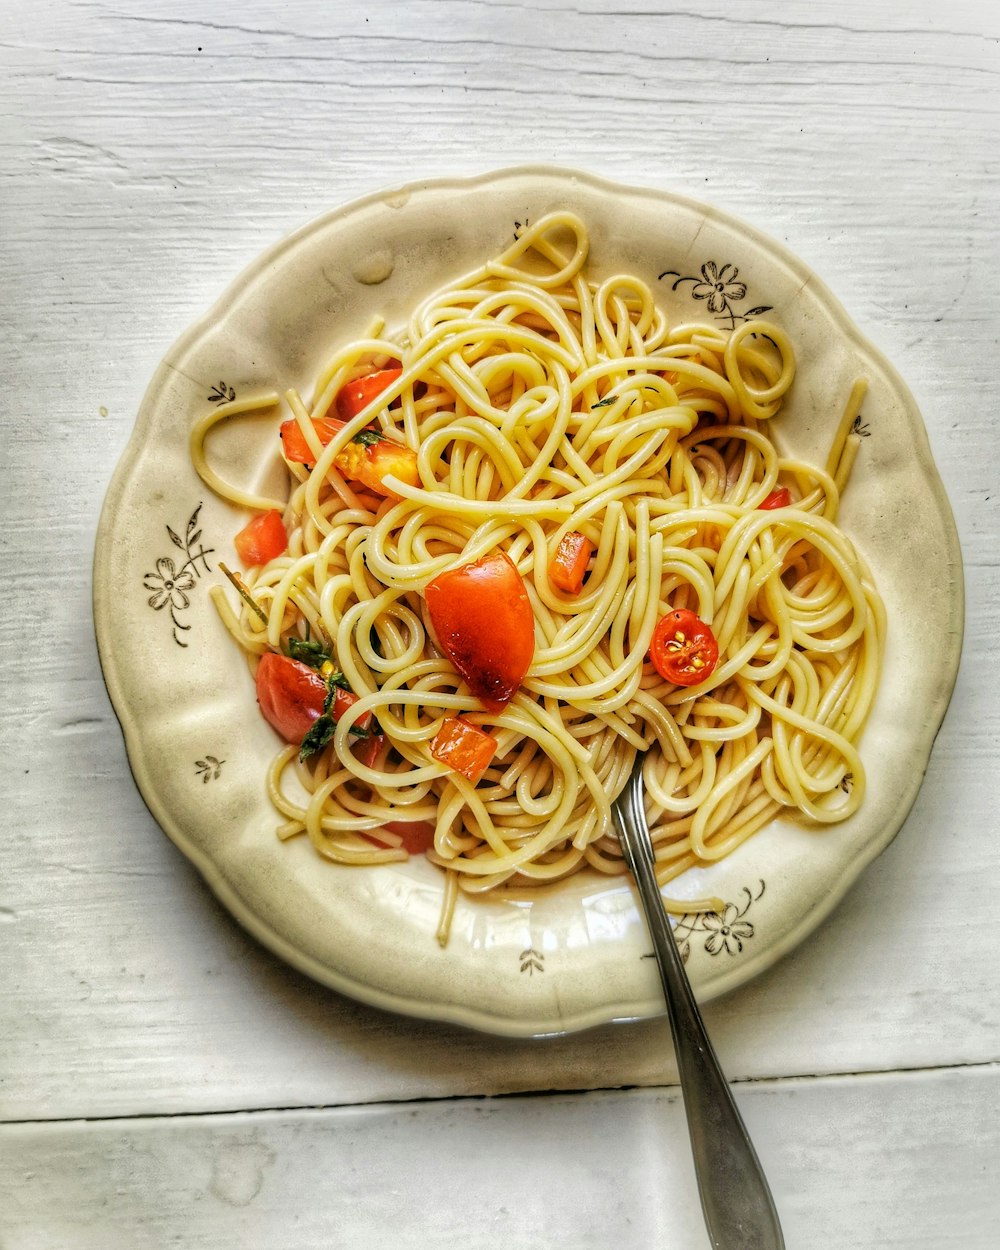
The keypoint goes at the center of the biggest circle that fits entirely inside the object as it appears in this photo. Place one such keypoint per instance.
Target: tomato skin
(483, 620)
(568, 566)
(367, 463)
(290, 695)
(367, 749)
(345, 699)
(463, 747)
(293, 442)
(357, 395)
(684, 649)
(417, 835)
(779, 498)
(262, 539)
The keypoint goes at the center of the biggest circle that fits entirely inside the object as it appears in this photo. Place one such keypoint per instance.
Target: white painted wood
(149, 152)
(895, 1163)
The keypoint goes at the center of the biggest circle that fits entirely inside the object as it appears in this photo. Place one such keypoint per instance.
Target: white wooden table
(166, 1082)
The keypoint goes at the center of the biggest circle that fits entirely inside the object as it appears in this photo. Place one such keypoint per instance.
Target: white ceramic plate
(578, 954)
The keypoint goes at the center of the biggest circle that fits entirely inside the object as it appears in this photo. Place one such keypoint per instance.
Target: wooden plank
(899, 1163)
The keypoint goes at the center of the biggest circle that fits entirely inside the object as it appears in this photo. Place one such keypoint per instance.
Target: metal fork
(735, 1198)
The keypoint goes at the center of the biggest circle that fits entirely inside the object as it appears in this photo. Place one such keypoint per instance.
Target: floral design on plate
(719, 286)
(171, 582)
(726, 931)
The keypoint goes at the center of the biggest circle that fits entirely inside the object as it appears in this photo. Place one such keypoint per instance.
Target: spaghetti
(623, 468)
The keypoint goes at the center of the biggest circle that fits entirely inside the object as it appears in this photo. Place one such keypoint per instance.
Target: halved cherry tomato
(290, 695)
(357, 395)
(367, 462)
(417, 835)
(463, 747)
(779, 498)
(569, 564)
(684, 649)
(483, 620)
(262, 539)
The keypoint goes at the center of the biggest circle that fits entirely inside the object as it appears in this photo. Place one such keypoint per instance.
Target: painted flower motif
(719, 286)
(726, 931)
(168, 585)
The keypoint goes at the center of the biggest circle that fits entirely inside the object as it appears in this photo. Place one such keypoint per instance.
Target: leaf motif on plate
(532, 961)
(209, 769)
(221, 394)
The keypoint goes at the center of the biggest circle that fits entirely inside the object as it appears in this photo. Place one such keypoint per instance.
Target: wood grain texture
(145, 158)
(587, 1171)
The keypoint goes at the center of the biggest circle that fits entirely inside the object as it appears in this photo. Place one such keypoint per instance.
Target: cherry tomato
(290, 695)
(367, 462)
(357, 395)
(367, 749)
(463, 747)
(345, 699)
(684, 649)
(262, 539)
(483, 620)
(293, 442)
(779, 498)
(569, 564)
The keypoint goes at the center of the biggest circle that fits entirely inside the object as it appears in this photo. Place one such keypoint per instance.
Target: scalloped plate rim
(416, 1006)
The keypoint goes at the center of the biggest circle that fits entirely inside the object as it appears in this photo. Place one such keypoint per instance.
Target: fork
(735, 1199)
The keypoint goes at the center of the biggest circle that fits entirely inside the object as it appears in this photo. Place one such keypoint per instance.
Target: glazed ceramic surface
(577, 953)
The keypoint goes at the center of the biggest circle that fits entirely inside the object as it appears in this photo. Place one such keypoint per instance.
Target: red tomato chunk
(483, 620)
(355, 396)
(290, 695)
(568, 566)
(262, 539)
(779, 498)
(463, 747)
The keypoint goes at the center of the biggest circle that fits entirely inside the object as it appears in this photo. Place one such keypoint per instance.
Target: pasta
(543, 413)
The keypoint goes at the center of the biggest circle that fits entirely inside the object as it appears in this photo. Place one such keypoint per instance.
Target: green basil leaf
(308, 651)
(320, 733)
(367, 437)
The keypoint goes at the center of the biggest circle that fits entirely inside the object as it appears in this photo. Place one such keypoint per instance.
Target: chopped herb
(367, 437)
(244, 594)
(325, 726)
(319, 735)
(603, 403)
(307, 651)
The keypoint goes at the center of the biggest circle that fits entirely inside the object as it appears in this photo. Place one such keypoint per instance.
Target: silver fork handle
(737, 1204)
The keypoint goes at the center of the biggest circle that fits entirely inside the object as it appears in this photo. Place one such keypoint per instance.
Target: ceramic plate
(575, 955)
